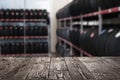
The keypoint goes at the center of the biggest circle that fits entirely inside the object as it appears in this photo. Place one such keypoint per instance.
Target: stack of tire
(60, 49)
(105, 44)
(12, 48)
(67, 52)
(19, 14)
(9, 30)
(64, 33)
(36, 30)
(37, 47)
(87, 39)
(73, 36)
(64, 12)
(18, 47)
(108, 43)
(78, 7)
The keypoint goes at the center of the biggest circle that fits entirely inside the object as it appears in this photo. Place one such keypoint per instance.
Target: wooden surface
(43, 68)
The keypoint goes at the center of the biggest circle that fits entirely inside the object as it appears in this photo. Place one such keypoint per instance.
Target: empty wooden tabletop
(73, 68)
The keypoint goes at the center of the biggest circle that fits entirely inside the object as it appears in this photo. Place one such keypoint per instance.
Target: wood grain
(58, 70)
(40, 69)
(72, 68)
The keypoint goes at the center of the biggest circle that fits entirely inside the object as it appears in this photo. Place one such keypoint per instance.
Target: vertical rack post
(100, 22)
(24, 17)
(0, 43)
(81, 20)
(81, 28)
(59, 24)
(65, 28)
(0, 47)
(71, 28)
(49, 40)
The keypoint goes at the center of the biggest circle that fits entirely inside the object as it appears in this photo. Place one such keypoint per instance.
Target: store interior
(59, 39)
(63, 28)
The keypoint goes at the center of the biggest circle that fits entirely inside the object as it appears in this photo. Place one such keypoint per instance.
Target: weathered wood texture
(43, 68)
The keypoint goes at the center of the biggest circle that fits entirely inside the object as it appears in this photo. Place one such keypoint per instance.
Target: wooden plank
(74, 73)
(40, 69)
(4, 65)
(88, 59)
(113, 64)
(82, 69)
(58, 70)
(24, 69)
(116, 59)
(44, 68)
(12, 68)
(98, 69)
(7, 64)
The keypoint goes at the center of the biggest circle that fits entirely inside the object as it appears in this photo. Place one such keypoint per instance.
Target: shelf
(69, 43)
(103, 12)
(22, 37)
(61, 28)
(21, 20)
(27, 54)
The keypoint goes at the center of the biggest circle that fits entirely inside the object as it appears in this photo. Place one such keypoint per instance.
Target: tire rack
(23, 21)
(81, 17)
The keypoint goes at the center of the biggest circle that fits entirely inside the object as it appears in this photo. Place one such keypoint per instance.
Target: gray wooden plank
(98, 69)
(7, 64)
(58, 70)
(24, 69)
(44, 68)
(113, 65)
(40, 69)
(74, 73)
(12, 68)
(87, 75)
(4, 65)
(116, 59)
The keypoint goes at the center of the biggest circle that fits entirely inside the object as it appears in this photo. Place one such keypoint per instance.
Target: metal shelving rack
(99, 13)
(40, 22)
(25, 38)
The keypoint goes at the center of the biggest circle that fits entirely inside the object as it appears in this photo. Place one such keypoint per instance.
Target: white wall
(30, 4)
(15, 4)
(55, 6)
(38, 4)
